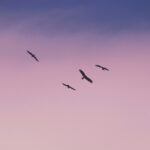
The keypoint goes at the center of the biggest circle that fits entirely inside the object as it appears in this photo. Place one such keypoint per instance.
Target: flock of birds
(84, 76)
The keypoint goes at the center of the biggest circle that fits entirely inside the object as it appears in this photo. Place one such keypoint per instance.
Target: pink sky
(37, 112)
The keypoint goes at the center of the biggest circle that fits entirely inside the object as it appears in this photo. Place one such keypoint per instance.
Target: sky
(37, 111)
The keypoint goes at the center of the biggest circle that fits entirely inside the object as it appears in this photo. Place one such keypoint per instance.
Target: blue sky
(71, 15)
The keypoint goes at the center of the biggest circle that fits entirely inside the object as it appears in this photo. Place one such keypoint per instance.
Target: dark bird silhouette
(103, 68)
(84, 76)
(32, 55)
(68, 86)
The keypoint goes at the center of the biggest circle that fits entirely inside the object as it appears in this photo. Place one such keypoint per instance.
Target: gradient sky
(37, 112)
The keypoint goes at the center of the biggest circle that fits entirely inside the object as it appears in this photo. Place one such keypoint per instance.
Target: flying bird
(84, 76)
(32, 55)
(68, 86)
(103, 68)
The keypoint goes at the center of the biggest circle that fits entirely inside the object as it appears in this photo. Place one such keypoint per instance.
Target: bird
(68, 86)
(32, 55)
(103, 68)
(84, 76)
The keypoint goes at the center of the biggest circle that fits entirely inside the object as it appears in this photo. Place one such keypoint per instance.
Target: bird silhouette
(32, 55)
(103, 68)
(84, 76)
(68, 86)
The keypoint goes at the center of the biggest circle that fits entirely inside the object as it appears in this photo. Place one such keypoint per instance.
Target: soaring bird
(103, 68)
(84, 76)
(32, 55)
(68, 86)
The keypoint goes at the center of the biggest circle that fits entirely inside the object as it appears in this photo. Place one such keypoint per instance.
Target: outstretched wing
(64, 84)
(29, 52)
(35, 58)
(68, 86)
(98, 66)
(88, 79)
(103, 68)
(32, 55)
(71, 88)
(106, 69)
(83, 74)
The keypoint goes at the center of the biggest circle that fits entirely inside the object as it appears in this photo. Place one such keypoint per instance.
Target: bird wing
(88, 79)
(35, 58)
(98, 66)
(32, 55)
(106, 69)
(72, 88)
(64, 84)
(68, 86)
(29, 52)
(83, 74)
